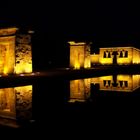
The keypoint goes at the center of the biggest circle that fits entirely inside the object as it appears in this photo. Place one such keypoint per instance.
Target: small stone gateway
(15, 51)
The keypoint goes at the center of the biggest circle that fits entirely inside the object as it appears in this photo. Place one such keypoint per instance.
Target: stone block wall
(23, 54)
(7, 54)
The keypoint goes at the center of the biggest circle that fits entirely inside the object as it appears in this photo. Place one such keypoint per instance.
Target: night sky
(105, 23)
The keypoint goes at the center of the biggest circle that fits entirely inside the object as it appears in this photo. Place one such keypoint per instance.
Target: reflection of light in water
(125, 83)
(7, 102)
(80, 89)
(23, 101)
(21, 74)
(16, 102)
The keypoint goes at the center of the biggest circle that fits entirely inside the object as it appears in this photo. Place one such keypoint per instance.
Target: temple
(15, 51)
(80, 56)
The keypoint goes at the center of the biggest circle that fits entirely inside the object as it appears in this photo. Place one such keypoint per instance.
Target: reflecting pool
(51, 103)
(15, 105)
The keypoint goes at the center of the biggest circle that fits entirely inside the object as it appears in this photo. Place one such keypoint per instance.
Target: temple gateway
(15, 51)
(80, 56)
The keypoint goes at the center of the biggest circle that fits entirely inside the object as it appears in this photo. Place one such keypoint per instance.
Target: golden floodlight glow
(87, 65)
(106, 61)
(23, 68)
(119, 55)
(5, 70)
(7, 54)
(24, 54)
(77, 65)
(15, 52)
(8, 31)
(79, 55)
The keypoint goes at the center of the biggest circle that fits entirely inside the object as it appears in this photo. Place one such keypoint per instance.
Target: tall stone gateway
(15, 51)
(79, 55)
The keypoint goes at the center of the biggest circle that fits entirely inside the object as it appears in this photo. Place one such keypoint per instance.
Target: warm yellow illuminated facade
(16, 103)
(15, 51)
(80, 56)
(119, 55)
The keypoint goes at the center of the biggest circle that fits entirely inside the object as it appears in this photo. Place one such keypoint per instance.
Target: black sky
(102, 17)
(82, 18)
(56, 22)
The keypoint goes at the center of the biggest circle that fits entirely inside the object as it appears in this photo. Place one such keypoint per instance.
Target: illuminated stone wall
(15, 51)
(8, 31)
(107, 60)
(123, 59)
(79, 55)
(23, 54)
(136, 56)
(16, 103)
(87, 62)
(124, 55)
(7, 54)
(94, 58)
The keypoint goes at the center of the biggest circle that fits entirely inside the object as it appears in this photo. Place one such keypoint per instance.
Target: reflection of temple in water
(125, 83)
(80, 89)
(16, 103)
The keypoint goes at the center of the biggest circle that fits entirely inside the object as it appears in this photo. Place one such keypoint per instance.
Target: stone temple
(81, 56)
(15, 51)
